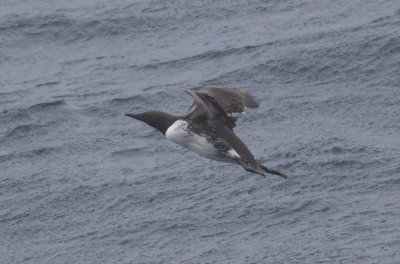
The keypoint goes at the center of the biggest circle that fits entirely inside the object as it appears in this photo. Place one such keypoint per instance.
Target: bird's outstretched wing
(205, 105)
(232, 100)
(220, 103)
(207, 108)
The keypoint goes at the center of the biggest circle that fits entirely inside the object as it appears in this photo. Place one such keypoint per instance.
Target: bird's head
(157, 119)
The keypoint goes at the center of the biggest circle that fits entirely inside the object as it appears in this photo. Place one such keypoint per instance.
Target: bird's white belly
(178, 132)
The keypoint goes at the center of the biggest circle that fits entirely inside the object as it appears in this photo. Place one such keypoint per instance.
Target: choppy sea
(82, 183)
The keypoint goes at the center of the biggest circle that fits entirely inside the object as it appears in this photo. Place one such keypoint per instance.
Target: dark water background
(82, 183)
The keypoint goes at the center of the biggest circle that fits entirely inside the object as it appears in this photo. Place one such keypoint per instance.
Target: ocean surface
(82, 183)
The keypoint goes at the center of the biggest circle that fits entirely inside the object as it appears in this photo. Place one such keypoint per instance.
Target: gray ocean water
(82, 183)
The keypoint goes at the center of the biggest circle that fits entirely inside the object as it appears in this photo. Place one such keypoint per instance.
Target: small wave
(74, 62)
(46, 105)
(208, 55)
(58, 27)
(85, 95)
(35, 120)
(15, 92)
(294, 208)
(47, 84)
(13, 217)
(129, 152)
(332, 145)
(131, 100)
(141, 101)
(22, 131)
(35, 153)
(390, 46)
(332, 155)
(13, 115)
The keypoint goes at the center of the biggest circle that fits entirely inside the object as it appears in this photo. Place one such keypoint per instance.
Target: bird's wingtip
(274, 172)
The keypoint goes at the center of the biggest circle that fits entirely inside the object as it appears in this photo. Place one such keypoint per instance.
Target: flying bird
(208, 129)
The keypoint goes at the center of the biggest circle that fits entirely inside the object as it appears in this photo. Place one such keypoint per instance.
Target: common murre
(208, 129)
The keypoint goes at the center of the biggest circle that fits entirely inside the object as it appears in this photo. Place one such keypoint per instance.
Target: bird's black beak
(133, 116)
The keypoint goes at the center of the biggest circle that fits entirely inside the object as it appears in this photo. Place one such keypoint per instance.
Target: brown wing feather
(231, 99)
(207, 107)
